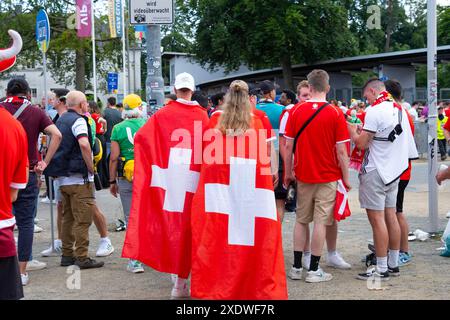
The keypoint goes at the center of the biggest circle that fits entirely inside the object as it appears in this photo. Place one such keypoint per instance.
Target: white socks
(393, 258)
(382, 264)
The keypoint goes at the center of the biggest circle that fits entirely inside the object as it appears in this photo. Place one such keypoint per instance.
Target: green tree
(270, 33)
(69, 57)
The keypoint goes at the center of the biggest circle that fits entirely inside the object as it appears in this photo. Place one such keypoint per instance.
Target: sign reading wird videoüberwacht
(151, 11)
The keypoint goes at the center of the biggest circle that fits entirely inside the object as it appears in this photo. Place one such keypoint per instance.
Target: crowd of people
(216, 213)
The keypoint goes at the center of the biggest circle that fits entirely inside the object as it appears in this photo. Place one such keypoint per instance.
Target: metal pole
(134, 71)
(94, 57)
(45, 80)
(50, 183)
(129, 64)
(124, 55)
(432, 116)
(155, 82)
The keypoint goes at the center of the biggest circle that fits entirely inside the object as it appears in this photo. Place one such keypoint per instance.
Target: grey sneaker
(295, 273)
(88, 263)
(318, 276)
(67, 261)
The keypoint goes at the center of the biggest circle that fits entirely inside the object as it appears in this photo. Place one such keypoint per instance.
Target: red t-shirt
(261, 115)
(315, 155)
(34, 121)
(447, 126)
(361, 116)
(406, 176)
(98, 126)
(447, 112)
(13, 174)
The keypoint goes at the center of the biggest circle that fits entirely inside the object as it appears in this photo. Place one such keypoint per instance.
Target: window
(33, 92)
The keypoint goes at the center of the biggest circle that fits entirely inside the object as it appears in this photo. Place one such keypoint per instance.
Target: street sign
(151, 11)
(113, 82)
(42, 30)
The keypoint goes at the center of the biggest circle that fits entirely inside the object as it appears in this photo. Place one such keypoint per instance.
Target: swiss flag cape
(165, 179)
(236, 237)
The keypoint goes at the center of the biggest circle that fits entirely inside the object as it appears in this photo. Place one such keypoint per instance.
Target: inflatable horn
(8, 56)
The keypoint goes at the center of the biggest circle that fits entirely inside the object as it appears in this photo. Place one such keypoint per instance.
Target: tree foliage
(65, 47)
(270, 33)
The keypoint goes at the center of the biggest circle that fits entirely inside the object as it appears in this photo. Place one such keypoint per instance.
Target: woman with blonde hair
(236, 248)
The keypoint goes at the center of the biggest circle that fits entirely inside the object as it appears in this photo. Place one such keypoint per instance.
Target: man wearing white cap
(166, 173)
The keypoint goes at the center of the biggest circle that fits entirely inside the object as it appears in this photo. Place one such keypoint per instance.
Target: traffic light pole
(155, 82)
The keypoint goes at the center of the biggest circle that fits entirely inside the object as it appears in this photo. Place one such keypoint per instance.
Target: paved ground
(426, 278)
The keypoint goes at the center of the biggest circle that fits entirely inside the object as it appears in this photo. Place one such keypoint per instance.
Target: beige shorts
(315, 202)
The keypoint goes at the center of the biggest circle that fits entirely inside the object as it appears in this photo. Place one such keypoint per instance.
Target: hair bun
(238, 86)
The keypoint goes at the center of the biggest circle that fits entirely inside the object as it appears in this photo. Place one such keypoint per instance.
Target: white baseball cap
(185, 80)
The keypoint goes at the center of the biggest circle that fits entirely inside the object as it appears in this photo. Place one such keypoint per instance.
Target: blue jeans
(25, 211)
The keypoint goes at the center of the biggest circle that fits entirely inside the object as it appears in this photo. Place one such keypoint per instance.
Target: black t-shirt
(112, 117)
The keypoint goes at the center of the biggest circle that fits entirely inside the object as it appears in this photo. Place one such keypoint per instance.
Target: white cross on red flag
(165, 179)
(236, 236)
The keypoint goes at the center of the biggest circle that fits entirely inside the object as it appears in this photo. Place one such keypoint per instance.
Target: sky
(443, 2)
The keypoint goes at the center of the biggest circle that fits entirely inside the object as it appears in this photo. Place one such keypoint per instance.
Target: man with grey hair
(388, 143)
(73, 168)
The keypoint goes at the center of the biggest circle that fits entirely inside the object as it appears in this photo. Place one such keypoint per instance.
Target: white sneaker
(135, 266)
(306, 261)
(182, 292)
(448, 215)
(336, 261)
(35, 265)
(50, 253)
(295, 273)
(46, 200)
(318, 276)
(105, 248)
(25, 279)
(37, 229)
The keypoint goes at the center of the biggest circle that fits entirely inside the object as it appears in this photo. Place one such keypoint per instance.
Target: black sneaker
(371, 260)
(120, 225)
(88, 263)
(67, 261)
(394, 272)
(372, 272)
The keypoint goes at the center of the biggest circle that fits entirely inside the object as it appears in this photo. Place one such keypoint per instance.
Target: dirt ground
(426, 278)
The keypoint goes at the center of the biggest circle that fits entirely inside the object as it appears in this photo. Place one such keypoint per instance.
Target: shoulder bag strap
(307, 123)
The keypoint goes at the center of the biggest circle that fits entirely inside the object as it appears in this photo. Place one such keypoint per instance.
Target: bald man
(73, 169)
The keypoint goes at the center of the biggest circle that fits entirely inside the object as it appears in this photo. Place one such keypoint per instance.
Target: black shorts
(280, 191)
(10, 281)
(401, 194)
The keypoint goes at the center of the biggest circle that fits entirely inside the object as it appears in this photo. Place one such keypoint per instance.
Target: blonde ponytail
(236, 117)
